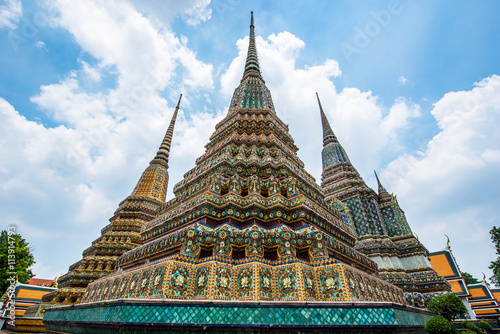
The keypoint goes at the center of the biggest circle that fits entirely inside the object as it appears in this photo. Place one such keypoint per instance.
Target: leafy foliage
(448, 306)
(438, 324)
(484, 325)
(495, 265)
(469, 279)
(471, 327)
(15, 258)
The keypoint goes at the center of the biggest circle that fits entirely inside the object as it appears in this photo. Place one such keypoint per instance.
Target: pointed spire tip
(378, 181)
(179, 102)
(252, 62)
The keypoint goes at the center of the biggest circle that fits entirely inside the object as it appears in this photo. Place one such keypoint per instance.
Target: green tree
(449, 306)
(437, 324)
(16, 259)
(495, 265)
(469, 279)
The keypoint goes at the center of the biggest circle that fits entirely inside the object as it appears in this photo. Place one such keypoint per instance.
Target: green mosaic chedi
(383, 232)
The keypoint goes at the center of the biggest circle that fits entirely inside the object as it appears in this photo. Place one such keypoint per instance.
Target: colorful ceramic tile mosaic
(371, 317)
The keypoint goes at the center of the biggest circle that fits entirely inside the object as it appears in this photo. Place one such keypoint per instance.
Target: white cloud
(198, 13)
(72, 176)
(91, 72)
(10, 13)
(459, 168)
(47, 271)
(116, 34)
(402, 80)
(192, 11)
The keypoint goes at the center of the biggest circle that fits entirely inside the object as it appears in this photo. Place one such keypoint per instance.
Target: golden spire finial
(416, 235)
(447, 241)
(484, 278)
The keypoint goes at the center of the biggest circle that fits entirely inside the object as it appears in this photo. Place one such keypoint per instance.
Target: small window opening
(238, 253)
(206, 251)
(271, 254)
(264, 192)
(224, 190)
(244, 191)
(303, 254)
(284, 192)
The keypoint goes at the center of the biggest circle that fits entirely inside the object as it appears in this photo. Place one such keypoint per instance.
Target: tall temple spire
(123, 232)
(252, 93)
(383, 194)
(328, 135)
(333, 153)
(252, 63)
(164, 150)
(154, 181)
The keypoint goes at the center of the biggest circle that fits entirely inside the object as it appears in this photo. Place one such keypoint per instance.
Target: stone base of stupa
(175, 316)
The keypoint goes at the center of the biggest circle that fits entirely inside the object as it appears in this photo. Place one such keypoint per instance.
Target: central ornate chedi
(248, 222)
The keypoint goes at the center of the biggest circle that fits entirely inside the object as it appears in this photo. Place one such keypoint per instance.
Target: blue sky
(87, 89)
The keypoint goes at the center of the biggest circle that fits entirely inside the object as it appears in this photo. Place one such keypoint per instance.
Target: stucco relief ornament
(287, 282)
(157, 280)
(244, 282)
(201, 280)
(266, 282)
(179, 280)
(330, 283)
(224, 282)
(309, 283)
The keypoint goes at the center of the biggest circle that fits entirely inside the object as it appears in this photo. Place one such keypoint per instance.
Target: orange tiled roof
(457, 288)
(441, 264)
(40, 281)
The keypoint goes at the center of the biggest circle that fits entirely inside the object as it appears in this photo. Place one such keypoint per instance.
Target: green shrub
(438, 324)
(484, 325)
(448, 306)
(470, 326)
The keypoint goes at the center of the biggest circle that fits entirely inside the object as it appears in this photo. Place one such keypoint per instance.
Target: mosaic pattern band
(288, 280)
(187, 314)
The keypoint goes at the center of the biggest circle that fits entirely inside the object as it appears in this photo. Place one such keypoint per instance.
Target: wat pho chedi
(250, 240)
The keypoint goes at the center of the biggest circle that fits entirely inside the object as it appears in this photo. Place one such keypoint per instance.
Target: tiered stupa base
(176, 316)
(215, 278)
(224, 296)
